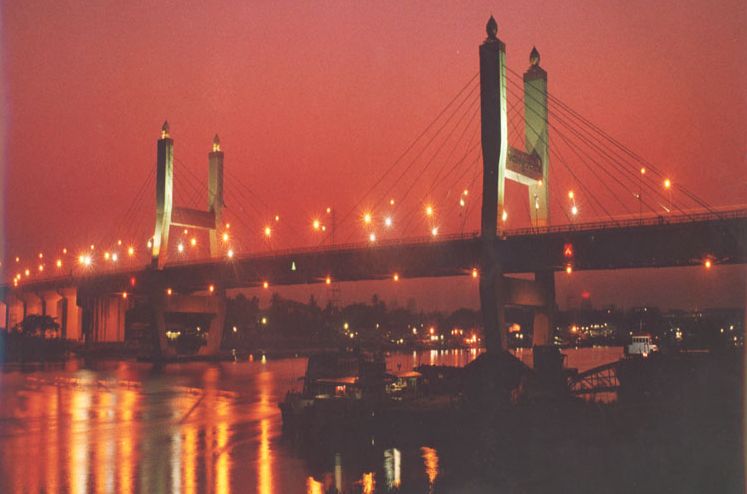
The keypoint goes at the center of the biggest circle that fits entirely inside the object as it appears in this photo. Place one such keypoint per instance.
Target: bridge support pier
(544, 316)
(103, 318)
(14, 311)
(164, 305)
(70, 316)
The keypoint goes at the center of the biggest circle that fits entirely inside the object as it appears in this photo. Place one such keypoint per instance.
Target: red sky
(314, 100)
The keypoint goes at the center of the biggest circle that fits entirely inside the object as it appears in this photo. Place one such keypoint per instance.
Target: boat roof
(337, 380)
(406, 374)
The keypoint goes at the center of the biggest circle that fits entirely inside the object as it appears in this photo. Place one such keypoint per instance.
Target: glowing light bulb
(228, 226)
(571, 195)
(64, 250)
(131, 251)
(119, 242)
(124, 294)
(115, 257)
(316, 225)
(193, 242)
(328, 280)
(225, 236)
(107, 255)
(466, 192)
(59, 263)
(265, 285)
(41, 256)
(41, 267)
(27, 272)
(474, 272)
(429, 210)
(169, 291)
(211, 288)
(504, 215)
(391, 202)
(396, 277)
(18, 259)
(667, 184)
(643, 170)
(434, 231)
(329, 210)
(180, 248)
(367, 218)
(388, 221)
(461, 202)
(708, 263)
(230, 253)
(574, 210)
(268, 231)
(568, 269)
(277, 218)
(372, 237)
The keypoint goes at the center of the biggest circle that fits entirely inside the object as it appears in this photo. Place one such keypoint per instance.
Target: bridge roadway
(657, 242)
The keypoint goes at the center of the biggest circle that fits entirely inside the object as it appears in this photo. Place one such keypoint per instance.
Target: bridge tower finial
(492, 28)
(165, 130)
(216, 143)
(534, 57)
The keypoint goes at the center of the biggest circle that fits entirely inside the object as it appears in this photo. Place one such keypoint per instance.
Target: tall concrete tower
(215, 192)
(494, 152)
(536, 136)
(164, 194)
(494, 124)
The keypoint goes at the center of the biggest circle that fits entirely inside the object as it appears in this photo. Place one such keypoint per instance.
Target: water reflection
(393, 468)
(430, 459)
(125, 427)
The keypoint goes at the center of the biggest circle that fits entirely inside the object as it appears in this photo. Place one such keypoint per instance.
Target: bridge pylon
(168, 215)
(530, 168)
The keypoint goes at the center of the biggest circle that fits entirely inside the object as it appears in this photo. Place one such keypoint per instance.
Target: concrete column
(159, 302)
(6, 311)
(215, 193)
(164, 195)
(109, 319)
(32, 304)
(50, 304)
(14, 312)
(536, 136)
(544, 317)
(215, 334)
(70, 315)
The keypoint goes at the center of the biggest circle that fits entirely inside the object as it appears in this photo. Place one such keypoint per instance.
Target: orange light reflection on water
(313, 486)
(430, 458)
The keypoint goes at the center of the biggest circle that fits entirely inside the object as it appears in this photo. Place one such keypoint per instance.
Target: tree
(38, 325)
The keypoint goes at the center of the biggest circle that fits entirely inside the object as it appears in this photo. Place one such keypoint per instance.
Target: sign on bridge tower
(168, 215)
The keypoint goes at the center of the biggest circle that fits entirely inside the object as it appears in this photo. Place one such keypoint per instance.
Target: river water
(122, 426)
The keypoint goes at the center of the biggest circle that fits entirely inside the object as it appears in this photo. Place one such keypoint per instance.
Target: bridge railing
(357, 246)
(626, 223)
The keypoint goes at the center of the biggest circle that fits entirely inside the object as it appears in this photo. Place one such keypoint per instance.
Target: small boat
(641, 345)
(346, 388)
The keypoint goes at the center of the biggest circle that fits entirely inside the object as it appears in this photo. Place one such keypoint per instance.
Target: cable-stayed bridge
(506, 178)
